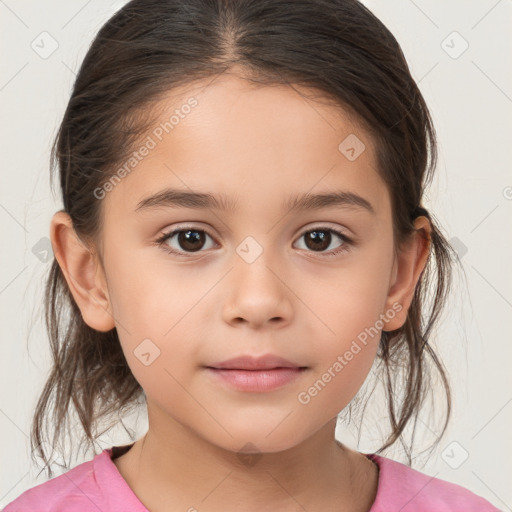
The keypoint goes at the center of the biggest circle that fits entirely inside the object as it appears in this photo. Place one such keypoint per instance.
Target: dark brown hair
(335, 47)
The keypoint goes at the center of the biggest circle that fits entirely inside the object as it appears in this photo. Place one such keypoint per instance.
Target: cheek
(150, 295)
(350, 304)
(341, 369)
(350, 300)
(155, 310)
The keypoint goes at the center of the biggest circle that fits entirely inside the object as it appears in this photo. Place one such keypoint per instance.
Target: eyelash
(345, 247)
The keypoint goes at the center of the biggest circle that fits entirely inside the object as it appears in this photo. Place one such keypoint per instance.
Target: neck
(171, 468)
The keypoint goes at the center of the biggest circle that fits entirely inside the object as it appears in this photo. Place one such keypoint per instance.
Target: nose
(259, 294)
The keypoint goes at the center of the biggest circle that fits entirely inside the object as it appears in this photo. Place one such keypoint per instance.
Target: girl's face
(252, 277)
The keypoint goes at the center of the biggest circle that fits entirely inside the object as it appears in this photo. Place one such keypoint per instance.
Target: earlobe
(407, 268)
(83, 273)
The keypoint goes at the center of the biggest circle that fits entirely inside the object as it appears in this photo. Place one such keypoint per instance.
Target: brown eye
(320, 239)
(188, 240)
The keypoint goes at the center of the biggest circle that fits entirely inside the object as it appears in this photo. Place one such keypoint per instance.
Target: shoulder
(76, 490)
(406, 489)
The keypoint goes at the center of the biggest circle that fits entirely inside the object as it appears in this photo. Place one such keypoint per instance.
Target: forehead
(250, 143)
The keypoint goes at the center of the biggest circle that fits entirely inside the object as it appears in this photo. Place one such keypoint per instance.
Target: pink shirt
(97, 486)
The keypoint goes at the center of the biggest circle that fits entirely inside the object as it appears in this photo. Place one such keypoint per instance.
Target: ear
(83, 272)
(407, 267)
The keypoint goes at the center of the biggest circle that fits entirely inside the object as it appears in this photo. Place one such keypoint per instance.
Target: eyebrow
(169, 198)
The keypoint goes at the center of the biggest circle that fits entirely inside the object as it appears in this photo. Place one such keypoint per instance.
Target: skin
(258, 145)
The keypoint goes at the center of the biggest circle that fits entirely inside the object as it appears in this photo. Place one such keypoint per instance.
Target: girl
(289, 143)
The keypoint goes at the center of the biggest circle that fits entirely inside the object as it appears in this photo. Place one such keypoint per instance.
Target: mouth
(256, 374)
(256, 381)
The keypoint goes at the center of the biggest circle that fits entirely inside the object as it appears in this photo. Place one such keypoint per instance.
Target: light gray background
(470, 97)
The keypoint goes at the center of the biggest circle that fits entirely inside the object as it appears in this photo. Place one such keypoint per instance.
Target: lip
(257, 381)
(247, 362)
(256, 374)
